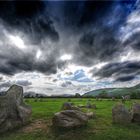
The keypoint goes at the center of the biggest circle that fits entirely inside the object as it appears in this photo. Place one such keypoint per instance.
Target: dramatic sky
(64, 47)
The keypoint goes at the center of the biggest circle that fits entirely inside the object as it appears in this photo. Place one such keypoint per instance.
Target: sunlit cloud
(38, 54)
(17, 41)
(66, 57)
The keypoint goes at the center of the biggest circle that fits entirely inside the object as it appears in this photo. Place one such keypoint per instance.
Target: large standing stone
(13, 111)
(69, 119)
(136, 112)
(120, 114)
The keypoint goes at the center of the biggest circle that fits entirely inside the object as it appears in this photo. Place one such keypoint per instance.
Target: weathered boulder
(69, 106)
(70, 119)
(13, 111)
(136, 112)
(120, 114)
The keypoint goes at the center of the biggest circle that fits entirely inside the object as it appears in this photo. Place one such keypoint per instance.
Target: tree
(133, 95)
(77, 95)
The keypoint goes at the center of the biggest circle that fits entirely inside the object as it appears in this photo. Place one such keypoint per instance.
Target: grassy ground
(100, 128)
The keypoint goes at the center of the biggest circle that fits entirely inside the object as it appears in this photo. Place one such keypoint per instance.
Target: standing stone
(113, 98)
(120, 114)
(69, 106)
(136, 112)
(13, 111)
(70, 119)
(89, 105)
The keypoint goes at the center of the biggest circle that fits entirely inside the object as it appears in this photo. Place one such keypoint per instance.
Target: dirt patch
(37, 125)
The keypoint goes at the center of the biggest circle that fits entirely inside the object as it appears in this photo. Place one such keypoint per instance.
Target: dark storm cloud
(23, 82)
(94, 23)
(134, 41)
(77, 14)
(101, 45)
(27, 63)
(120, 71)
(28, 17)
(125, 78)
(14, 60)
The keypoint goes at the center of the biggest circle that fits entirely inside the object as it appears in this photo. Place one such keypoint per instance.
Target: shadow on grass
(67, 134)
(14, 130)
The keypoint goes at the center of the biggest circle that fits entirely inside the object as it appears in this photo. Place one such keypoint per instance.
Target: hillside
(114, 91)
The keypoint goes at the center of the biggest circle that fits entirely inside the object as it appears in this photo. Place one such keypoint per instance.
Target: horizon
(63, 94)
(68, 47)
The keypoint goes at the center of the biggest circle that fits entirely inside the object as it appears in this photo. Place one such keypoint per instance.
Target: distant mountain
(62, 95)
(114, 91)
(34, 94)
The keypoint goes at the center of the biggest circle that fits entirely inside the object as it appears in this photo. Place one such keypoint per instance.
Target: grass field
(100, 128)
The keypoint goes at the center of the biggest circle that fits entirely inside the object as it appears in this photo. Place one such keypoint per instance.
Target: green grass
(100, 128)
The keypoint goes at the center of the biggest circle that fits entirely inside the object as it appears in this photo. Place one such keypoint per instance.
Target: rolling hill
(114, 91)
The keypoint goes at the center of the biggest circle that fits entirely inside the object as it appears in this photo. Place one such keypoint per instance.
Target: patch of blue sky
(78, 76)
